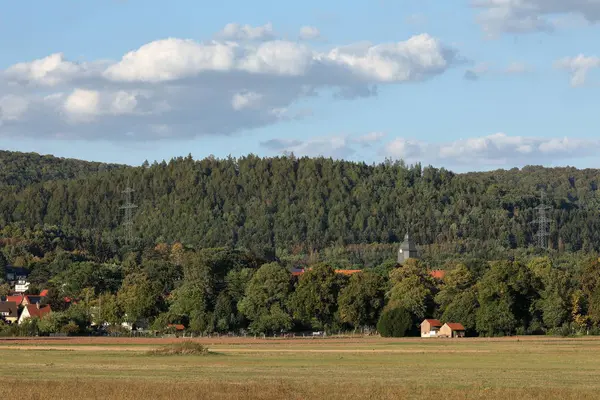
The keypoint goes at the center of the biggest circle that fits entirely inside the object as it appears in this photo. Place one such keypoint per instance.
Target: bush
(183, 348)
(394, 323)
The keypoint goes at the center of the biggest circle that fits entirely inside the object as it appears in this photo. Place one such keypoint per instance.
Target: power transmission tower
(542, 221)
(128, 206)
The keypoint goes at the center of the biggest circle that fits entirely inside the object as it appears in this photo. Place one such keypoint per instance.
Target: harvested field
(327, 368)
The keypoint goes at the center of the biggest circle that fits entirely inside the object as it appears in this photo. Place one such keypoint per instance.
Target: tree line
(223, 290)
(216, 240)
(302, 205)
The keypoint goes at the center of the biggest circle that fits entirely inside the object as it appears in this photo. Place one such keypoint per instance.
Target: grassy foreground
(534, 368)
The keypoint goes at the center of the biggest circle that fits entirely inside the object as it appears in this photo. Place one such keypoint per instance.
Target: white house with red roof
(430, 327)
(32, 311)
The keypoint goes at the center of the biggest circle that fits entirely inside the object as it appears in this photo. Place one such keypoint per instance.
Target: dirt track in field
(237, 341)
(265, 345)
(236, 350)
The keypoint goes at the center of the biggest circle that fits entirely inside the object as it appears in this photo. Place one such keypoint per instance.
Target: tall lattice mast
(128, 207)
(543, 223)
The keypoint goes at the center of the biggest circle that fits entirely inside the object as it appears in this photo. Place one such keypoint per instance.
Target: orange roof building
(18, 299)
(452, 330)
(430, 328)
(34, 310)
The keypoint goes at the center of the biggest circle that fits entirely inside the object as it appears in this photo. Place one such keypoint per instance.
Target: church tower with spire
(407, 250)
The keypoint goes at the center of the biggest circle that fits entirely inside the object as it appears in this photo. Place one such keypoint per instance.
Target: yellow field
(104, 368)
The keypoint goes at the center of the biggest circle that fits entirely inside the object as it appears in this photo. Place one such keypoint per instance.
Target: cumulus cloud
(245, 100)
(82, 104)
(526, 16)
(12, 107)
(578, 67)
(181, 88)
(483, 69)
(237, 32)
(337, 147)
(370, 138)
(493, 150)
(309, 33)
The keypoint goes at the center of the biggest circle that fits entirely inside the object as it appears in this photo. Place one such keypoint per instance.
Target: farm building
(430, 328)
(452, 329)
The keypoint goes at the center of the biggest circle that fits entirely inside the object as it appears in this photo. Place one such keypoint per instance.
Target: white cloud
(578, 67)
(493, 150)
(337, 147)
(415, 59)
(190, 88)
(12, 107)
(50, 70)
(245, 100)
(171, 59)
(370, 138)
(278, 57)
(235, 31)
(82, 104)
(123, 103)
(486, 69)
(309, 33)
(526, 16)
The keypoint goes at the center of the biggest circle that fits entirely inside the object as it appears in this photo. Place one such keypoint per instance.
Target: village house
(430, 328)
(31, 300)
(32, 311)
(452, 330)
(9, 311)
(434, 328)
(18, 298)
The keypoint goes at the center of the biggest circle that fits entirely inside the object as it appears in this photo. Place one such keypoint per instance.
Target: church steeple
(407, 250)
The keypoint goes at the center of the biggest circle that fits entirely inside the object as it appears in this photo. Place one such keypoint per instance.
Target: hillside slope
(289, 203)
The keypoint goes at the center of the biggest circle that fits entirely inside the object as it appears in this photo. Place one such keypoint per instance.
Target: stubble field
(330, 368)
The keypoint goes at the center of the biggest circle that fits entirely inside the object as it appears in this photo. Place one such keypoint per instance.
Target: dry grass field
(332, 368)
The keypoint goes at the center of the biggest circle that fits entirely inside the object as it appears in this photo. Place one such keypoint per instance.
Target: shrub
(183, 348)
(394, 323)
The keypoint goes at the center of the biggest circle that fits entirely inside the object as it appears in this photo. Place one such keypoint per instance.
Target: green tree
(137, 297)
(412, 289)
(394, 322)
(107, 310)
(505, 299)
(265, 298)
(315, 299)
(361, 301)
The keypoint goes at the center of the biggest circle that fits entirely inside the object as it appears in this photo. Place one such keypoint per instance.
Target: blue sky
(469, 85)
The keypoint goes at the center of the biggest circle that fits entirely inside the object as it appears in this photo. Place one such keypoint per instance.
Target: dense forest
(216, 239)
(288, 204)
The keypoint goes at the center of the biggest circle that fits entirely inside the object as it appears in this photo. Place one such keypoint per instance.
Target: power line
(543, 223)
(128, 207)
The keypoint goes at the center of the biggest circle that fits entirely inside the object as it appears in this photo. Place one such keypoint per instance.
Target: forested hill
(22, 169)
(303, 204)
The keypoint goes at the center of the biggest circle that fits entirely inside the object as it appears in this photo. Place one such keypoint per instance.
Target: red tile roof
(434, 322)
(34, 311)
(44, 293)
(437, 274)
(178, 327)
(455, 326)
(15, 299)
